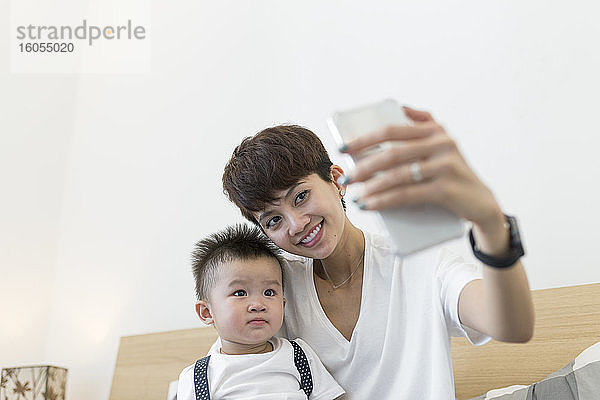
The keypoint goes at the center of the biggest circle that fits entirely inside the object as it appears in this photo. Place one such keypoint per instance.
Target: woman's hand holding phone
(447, 180)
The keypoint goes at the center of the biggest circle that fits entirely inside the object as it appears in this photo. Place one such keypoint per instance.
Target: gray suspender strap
(201, 378)
(301, 362)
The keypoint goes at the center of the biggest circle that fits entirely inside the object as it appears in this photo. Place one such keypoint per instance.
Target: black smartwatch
(516, 247)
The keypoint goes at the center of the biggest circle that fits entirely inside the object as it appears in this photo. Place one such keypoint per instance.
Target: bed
(567, 322)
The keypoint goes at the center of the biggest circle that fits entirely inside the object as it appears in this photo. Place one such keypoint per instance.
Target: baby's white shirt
(266, 376)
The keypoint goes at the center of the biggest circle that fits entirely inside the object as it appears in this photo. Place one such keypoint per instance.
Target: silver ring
(415, 172)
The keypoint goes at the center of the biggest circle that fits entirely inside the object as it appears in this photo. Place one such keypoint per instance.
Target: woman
(382, 324)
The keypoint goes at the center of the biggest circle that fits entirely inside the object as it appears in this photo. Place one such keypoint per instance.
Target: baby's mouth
(258, 321)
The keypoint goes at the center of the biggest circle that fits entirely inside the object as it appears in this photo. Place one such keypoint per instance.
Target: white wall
(35, 129)
(126, 176)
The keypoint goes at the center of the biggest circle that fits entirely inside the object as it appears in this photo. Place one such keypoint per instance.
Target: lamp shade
(38, 382)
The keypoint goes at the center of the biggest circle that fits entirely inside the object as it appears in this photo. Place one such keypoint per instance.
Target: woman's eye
(300, 197)
(269, 292)
(239, 293)
(272, 222)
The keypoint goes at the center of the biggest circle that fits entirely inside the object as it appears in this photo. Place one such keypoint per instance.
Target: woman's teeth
(312, 235)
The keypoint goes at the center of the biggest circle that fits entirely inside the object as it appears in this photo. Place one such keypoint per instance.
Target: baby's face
(247, 301)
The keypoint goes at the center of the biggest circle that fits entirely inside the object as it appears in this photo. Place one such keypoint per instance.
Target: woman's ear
(337, 172)
(203, 311)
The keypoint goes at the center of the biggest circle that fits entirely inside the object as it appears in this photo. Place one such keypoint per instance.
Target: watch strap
(516, 247)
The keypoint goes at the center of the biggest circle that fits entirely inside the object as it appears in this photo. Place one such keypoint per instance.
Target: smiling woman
(370, 315)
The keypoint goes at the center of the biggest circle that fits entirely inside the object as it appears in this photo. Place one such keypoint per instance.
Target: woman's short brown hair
(270, 161)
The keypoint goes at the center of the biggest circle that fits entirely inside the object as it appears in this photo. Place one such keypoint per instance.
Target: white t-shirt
(266, 376)
(400, 347)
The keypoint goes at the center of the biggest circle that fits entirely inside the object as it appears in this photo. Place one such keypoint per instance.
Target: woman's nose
(297, 223)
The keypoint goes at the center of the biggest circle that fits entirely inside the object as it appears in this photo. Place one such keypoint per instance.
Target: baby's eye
(239, 293)
(300, 197)
(269, 292)
(272, 222)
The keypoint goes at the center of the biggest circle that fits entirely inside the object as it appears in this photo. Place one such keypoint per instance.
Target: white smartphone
(410, 228)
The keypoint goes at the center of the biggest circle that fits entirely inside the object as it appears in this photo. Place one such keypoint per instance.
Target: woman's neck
(346, 256)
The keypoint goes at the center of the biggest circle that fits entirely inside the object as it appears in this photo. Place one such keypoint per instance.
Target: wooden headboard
(147, 363)
(567, 322)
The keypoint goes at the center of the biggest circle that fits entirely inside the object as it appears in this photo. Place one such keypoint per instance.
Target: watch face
(515, 236)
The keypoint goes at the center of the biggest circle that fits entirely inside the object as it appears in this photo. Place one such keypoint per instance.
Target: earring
(342, 192)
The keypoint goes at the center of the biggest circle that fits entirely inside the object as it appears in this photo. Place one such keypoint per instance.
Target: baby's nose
(256, 307)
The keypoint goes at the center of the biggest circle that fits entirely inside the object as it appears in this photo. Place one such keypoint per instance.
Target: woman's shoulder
(294, 266)
(378, 245)
(294, 262)
(435, 256)
(377, 241)
(293, 258)
(383, 244)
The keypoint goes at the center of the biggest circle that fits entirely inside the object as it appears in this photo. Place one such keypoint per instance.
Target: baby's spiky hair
(237, 242)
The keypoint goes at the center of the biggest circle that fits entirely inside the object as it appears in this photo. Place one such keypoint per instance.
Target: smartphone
(411, 228)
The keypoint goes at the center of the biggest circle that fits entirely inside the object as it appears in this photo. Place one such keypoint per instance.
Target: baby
(239, 285)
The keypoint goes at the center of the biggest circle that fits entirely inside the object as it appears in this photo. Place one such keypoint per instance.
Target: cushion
(578, 380)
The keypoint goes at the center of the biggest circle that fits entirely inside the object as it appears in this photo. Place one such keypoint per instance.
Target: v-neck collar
(317, 308)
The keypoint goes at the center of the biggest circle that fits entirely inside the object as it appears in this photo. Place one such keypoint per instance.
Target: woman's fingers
(417, 115)
(401, 175)
(391, 134)
(402, 154)
(425, 192)
(439, 174)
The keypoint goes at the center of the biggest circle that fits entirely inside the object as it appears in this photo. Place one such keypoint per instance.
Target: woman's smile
(313, 237)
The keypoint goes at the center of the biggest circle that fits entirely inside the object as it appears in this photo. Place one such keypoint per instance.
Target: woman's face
(306, 219)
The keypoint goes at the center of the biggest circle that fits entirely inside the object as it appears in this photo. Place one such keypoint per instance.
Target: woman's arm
(499, 305)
